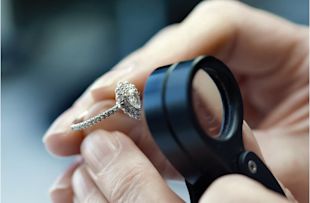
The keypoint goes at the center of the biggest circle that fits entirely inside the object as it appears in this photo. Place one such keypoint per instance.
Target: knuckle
(219, 8)
(219, 5)
(163, 33)
(167, 29)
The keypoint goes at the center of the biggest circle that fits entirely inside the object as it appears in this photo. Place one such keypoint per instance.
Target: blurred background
(52, 50)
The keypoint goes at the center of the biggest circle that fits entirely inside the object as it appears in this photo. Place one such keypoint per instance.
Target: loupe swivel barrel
(194, 112)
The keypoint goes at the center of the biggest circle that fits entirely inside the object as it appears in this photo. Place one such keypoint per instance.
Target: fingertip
(61, 191)
(60, 139)
(61, 124)
(61, 195)
(64, 144)
(84, 188)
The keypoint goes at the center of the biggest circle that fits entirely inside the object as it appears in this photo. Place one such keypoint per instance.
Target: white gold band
(96, 119)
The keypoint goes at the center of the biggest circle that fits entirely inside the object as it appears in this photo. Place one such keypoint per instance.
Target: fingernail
(104, 82)
(61, 190)
(110, 77)
(82, 183)
(61, 183)
(81, 117)
(247, 130)
(99, 148)
(101, 89)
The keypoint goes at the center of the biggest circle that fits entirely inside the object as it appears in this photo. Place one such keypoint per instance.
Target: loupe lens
(207, 104)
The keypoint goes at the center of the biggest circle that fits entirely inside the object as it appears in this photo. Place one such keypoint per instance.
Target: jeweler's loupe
(194, 112)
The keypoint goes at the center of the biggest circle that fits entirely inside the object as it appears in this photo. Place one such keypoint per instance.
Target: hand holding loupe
(194, 112)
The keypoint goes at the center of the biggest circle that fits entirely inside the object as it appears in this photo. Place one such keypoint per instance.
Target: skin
(269, 57)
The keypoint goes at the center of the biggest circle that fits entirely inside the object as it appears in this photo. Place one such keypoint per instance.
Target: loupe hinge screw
(252, 166)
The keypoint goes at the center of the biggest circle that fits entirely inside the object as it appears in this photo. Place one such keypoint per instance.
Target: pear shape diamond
(133, 98)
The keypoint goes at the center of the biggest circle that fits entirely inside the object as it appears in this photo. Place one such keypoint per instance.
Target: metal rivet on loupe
(252, 166)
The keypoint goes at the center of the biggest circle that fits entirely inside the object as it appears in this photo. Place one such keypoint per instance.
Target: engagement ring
(127, 99)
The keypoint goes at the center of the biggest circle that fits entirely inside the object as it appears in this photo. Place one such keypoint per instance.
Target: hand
(269, 57)
(115, 170)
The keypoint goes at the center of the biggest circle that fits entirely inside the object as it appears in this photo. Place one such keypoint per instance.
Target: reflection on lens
(207, 103)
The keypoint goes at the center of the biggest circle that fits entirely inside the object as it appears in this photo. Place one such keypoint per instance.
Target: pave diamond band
(96, 119)
(127, 99)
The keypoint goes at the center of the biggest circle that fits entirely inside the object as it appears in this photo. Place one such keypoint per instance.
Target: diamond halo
(128, 99)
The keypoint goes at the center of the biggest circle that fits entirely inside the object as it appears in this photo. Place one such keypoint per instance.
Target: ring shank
(93, 120)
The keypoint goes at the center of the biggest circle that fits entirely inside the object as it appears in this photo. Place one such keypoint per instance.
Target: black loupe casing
(172, 121)
(173, 124)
